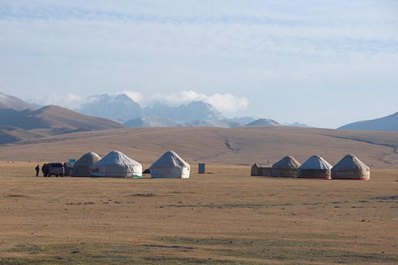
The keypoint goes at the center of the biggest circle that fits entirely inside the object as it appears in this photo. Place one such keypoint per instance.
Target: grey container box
(201, 168)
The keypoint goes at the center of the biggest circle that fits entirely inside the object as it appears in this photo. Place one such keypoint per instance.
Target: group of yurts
(171, 165)
(349, 167)
(117, 164)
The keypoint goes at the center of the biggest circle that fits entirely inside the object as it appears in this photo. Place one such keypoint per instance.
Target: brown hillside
(54, 117)
(10, 134)
(215, 145)
(58, 117)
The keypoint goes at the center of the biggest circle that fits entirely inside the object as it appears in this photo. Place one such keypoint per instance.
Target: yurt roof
(287, 162)
(350, 162)
(316, 162)
(170, 159)
(88, 159)
(116, 158)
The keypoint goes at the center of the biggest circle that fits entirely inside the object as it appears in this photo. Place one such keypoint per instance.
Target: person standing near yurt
(37, 168)
(170, 165)
(350, 167)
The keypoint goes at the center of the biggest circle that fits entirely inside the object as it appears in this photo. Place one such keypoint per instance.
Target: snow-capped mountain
(191, 112)
(119, 108)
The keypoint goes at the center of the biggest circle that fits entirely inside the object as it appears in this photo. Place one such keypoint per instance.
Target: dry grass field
(221, 217)
(215, 145)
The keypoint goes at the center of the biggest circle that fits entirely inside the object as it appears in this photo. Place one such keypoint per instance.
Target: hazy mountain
(263, 123)
(119, 108)
(54, 117)
(255, 122)
(151, 121)
(242, 120)
(11, 102)
(194, 111)
(297, 124)
(388, 123)
(212, 123)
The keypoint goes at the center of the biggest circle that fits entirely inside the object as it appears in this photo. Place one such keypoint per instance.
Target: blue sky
(324, 63)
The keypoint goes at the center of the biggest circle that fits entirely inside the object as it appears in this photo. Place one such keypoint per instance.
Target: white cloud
(225, 103)
(175, 99)
(69, 100)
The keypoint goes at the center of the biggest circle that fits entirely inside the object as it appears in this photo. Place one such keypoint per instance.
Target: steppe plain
(221, 217)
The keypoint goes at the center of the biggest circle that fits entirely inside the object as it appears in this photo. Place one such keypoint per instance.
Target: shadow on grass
(288, 251)
(90, 253)
(186, 250)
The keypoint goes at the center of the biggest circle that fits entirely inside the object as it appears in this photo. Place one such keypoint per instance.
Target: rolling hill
(388, 123)
(54, 117)
(215, 145)
(57, 117)
(29, 124)
(9, 134)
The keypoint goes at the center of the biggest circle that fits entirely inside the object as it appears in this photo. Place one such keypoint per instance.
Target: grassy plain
(222, 217)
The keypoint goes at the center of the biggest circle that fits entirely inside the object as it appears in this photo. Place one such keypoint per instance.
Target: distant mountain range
(20, 120)
(23, 121)
(123, 109)
(388, 123)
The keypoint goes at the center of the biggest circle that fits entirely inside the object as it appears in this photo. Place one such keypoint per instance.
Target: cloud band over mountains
(227, 104)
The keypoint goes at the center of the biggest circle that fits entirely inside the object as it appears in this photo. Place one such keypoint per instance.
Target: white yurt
(286, 167)
(350, 167)
(170, 165)
(116, 164)
(315, 167)
(82, 166)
